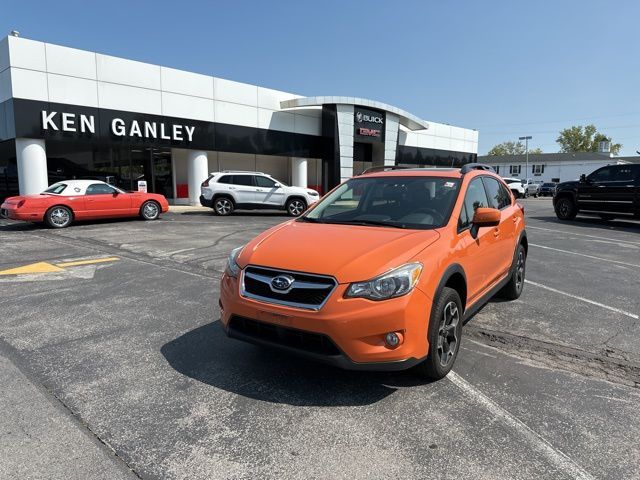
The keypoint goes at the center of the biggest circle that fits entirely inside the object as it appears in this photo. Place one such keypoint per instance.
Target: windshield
(548, 184)
(418, 202)
(56, 188)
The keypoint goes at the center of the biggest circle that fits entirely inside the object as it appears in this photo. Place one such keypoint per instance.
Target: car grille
(287, 337)
(307, 291)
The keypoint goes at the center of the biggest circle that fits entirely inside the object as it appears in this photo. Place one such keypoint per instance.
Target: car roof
(76, 187)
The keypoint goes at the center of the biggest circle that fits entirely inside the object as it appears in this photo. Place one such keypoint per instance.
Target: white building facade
(552, 167)
(68, 113)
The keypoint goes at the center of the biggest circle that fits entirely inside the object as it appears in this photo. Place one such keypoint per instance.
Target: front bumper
(355, 327)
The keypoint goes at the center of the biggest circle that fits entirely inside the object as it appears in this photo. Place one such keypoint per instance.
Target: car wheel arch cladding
(453, 277)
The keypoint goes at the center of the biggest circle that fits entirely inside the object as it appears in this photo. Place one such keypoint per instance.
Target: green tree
(584, 139)
(511, 148)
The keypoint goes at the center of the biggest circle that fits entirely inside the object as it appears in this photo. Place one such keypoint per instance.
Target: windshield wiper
(310, 220)
(375, 223)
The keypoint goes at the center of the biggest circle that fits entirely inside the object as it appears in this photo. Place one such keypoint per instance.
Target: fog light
(392, 339)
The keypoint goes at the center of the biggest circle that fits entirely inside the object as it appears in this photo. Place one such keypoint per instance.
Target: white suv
(225, 191)
(516, 186)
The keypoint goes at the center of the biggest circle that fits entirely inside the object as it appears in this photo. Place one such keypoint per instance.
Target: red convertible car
(64, 202)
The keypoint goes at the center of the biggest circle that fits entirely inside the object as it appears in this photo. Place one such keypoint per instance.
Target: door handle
(496, 232)
(514, 218)
(232, 188)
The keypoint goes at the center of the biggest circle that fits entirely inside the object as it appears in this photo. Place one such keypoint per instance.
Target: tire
(565, 209)
(444, 334)
(58, 217)
(535, 195)
(150, 210)
(513, 289)
(223, 206)
(296, 207)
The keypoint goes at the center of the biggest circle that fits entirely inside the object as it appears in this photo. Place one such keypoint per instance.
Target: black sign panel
(368, 125)
(54, 121)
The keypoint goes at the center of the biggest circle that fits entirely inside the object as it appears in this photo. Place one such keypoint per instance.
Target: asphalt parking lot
(115, 346)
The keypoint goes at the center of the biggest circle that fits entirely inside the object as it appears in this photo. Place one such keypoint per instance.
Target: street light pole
(526, 148)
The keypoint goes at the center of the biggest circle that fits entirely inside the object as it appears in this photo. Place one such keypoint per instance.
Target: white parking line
(582, 235)
(586, 300)
(539, 443)
(585, 255)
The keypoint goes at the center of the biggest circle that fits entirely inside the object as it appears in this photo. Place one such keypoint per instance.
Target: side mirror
(116, 193)
(583, 178)
(277, 185)
(484, 217)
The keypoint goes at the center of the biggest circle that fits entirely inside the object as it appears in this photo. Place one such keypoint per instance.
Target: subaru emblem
(282, 282)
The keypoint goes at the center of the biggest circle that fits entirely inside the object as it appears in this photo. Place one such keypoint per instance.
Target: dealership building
(67, 113)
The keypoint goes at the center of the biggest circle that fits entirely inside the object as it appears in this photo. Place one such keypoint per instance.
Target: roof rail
(468, 167)
(383, 168)
(240, 171)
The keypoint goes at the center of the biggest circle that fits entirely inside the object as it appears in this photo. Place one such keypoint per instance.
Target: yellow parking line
(86, 262)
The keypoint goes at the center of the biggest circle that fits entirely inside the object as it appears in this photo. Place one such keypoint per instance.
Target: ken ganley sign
(71, 122)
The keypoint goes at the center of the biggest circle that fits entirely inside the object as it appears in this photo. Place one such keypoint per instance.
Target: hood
(347, 252)
(568, 185)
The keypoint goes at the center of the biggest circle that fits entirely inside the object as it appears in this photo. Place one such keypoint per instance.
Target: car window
(418, 202)
(56, 188)
(99, 188)
(476, 197)
(242, 180)
(497, 193)
(264, 182)
(602, 175)
(622, 174)
(226, 179)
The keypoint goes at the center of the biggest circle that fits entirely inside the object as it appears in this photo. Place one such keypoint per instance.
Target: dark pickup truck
(609, 192)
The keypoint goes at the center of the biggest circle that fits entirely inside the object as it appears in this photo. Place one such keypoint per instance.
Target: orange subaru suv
(383, 272)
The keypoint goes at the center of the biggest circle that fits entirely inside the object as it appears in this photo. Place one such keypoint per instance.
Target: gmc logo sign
(369, 132)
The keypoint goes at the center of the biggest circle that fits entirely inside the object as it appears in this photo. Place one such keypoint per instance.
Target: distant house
(552, 167)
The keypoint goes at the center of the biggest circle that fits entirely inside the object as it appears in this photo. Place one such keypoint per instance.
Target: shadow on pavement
(621, 225)
(237, 213)
(208, 356)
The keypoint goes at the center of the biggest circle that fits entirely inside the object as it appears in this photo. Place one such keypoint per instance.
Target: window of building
(537, 169)
(514, 169)
(497, 169)
(264, 182)
(497, 194)
(100, 189)
(476, 197)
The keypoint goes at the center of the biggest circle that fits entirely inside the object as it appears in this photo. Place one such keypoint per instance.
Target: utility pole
(526, 149)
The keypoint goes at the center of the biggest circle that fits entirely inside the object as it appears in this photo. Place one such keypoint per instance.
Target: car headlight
(395, 283)
(313, 193)
(233, 269)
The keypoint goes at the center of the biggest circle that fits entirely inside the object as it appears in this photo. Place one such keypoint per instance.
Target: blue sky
(505, 68)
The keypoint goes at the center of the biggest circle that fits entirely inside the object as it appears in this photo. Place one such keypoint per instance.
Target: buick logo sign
(364, 117)
(282, 283)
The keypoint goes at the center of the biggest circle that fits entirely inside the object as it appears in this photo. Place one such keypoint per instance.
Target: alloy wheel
(520, 270)
(150, 210)
(448, 334)
(296, 207)
(223, 206)
(60, 217)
